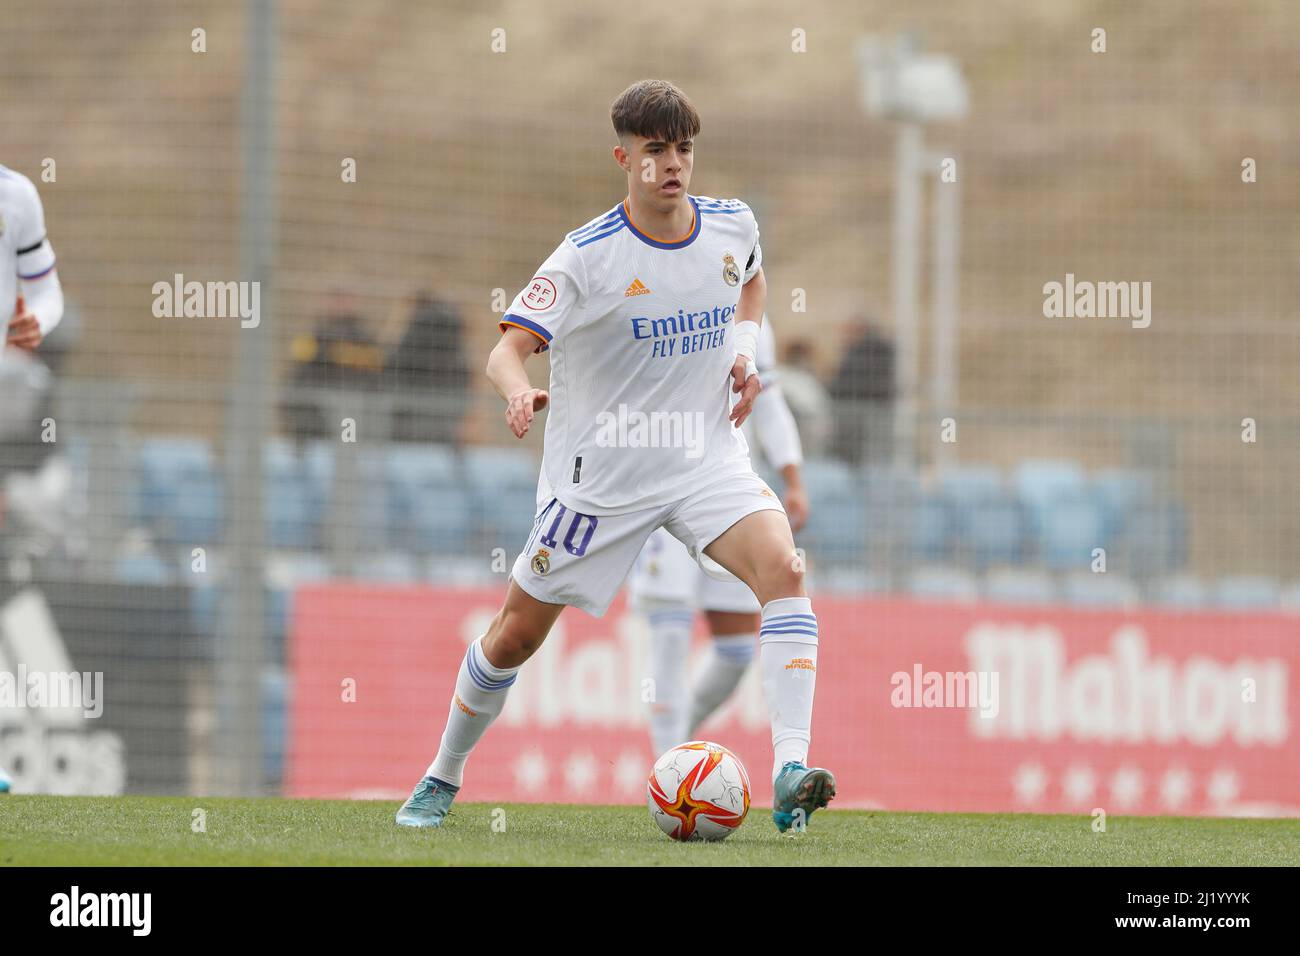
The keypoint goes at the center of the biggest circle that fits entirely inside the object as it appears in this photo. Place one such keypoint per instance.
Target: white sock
(728, 660)
(787, 655)
(480, 694)
(670, 642)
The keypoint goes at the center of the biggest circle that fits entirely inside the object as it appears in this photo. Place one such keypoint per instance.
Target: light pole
(900, 84)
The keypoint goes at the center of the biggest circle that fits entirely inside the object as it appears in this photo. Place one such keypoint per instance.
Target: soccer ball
(698, 791)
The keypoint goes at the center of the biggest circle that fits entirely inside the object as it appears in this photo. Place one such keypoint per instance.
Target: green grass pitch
(157, 831)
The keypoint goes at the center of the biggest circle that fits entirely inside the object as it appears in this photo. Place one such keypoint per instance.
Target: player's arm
(506, 372)
(749, 316)
(40, 297)
(778, 435)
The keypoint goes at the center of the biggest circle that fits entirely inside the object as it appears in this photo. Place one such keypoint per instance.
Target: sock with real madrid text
(728, 660)
(670, 643)
(480, 694)
(787, 657)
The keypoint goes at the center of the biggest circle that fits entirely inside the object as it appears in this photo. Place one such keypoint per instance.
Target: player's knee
(782, 577)
(511, 640)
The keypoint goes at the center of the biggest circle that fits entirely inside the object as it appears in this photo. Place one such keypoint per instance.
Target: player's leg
(759, 549)
(732, 614)
(570, 559)
(662, 589)
(486, 674)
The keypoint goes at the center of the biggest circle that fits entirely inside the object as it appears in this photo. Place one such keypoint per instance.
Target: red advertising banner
(919, 706)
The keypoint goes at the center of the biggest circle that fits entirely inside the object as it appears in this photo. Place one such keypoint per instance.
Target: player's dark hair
(655, 109)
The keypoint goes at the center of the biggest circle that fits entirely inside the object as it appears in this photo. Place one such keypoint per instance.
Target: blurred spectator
(863, 390)
(339, 352)
(808, 399)
(428, 365)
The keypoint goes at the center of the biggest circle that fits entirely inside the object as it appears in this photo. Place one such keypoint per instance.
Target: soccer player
(667, 586)
(29, 285)
(649, 312)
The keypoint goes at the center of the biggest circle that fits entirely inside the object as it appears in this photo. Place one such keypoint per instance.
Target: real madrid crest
(541, 561)
(730, 271)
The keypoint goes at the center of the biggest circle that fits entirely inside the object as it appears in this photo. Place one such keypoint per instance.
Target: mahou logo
(1125, 695)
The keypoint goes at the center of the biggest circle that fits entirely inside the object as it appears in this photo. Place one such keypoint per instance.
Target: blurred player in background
(668, 586)
(649, 312)
(29, 288)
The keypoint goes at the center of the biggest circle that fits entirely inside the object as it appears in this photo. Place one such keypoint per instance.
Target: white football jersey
(24, 251)
(640, 335)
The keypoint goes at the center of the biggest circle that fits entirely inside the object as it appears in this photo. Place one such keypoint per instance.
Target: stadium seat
(969, 485)
(890, 496)
(1181, 591)
(943, 583)
(930, 529)
(181, 498)
(294, 504)
(390, 567)
(1019, 586)
(1039, 485)
(1068, 531)
(429, 506)
(1155, 540)
(503, 485)
(1246, 592)
(836, 532)
(143, 567)
(1121, 493)
(1110, 589)
(990, 532)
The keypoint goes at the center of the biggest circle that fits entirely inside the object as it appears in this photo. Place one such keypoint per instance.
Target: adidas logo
(636, 288)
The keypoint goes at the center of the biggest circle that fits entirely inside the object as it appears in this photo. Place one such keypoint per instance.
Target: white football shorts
(582, 560)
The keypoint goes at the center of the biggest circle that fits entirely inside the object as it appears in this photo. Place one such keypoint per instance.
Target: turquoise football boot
(798, 791)
(428, 804)
(5, 782)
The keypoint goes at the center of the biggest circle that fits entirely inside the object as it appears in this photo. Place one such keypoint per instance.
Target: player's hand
(522, 406)
(796, 507)
(748, 388)
(24, 330)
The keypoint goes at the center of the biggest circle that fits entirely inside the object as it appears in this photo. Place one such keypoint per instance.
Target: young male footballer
(29, 285)
(649, 312)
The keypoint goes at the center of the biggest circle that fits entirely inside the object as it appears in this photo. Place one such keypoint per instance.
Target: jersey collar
(659, 243)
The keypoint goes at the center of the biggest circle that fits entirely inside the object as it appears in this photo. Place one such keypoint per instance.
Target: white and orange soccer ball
(698, 791)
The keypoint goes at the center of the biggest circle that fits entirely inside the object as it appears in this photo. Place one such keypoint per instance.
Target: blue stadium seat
(295, 505)
(991, 531)
(1246, 592)
(1019, 586)
(1121, 493)
(970, 485)
(503, 483)
(890, 496)
(1069, 529)
(943, 583)
(930, 531)
(831, 479)
(181, 500)
(1155, 540)
(1040, 484)
(429, 508)
(143, 567)
(1110, 589)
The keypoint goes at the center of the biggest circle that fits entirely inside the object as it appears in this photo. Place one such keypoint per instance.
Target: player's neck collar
(649, 240)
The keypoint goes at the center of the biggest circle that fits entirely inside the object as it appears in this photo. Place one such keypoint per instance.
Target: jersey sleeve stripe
(38, 275)
(32, 248)
(528, 325)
